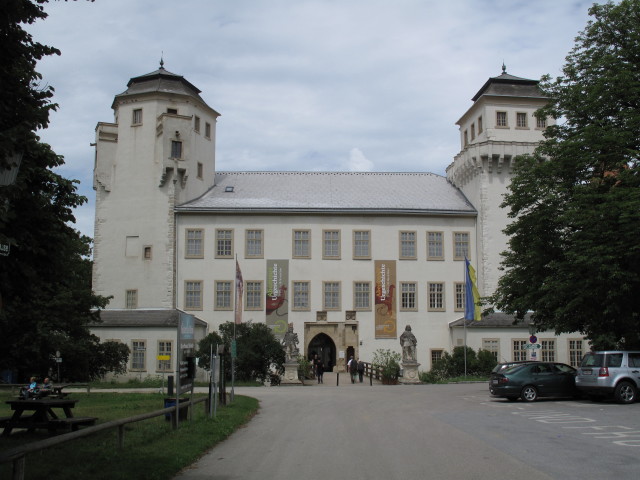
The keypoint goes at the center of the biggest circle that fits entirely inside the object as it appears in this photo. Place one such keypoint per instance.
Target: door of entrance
(323, 346)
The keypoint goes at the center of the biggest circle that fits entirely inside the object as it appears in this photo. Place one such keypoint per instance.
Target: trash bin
(171, 402)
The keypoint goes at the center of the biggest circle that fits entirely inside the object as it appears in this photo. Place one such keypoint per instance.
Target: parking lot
(425, 431)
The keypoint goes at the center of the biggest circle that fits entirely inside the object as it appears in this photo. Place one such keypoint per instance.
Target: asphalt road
(423, 432)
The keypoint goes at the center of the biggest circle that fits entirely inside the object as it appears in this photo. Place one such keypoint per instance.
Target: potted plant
(388, 363)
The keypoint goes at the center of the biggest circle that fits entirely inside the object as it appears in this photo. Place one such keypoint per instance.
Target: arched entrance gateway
(331, 340)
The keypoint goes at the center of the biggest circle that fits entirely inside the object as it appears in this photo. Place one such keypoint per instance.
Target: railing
(17, 455)
(18, 386)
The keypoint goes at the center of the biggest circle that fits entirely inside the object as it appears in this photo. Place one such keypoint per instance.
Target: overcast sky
(344, 85)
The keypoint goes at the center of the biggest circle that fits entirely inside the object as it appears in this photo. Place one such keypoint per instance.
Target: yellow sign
(164, 357)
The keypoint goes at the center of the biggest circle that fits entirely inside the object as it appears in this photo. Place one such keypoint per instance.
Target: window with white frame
(254, 244)
(138, 355)
(331, 296)
(548, 350)
(176, 149)
(492, 345)
(435, 246)
(224, 243)
(302, 244)
(331, 244)
(223, 295)
(436, 296)
(301, 296)
(361, 244)
(501, 119)
(207, 130)
(362, 295)
(165, 349)
(519, 350)
(196, 124)
(436, 354)
(194, 243)
(541, 122)
(521, 120)
(253, 294)
(407, 245)
(576, 351)
(408, 299)
(131, 299)
(193, 295)
(137, 117)
(460, 296)
(460, 245)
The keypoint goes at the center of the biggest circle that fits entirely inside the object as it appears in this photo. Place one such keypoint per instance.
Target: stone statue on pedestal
(290, 342)
(408, 342)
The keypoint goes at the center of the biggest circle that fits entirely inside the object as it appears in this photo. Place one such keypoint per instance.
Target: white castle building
(348, 258)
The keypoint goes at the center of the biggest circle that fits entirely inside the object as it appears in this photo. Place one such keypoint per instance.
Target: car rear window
(592, 360)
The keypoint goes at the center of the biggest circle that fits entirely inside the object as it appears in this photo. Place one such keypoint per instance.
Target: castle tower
(499, 126)
(158, 152)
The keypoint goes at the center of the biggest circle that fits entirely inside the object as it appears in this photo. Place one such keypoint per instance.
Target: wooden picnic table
(43, 415)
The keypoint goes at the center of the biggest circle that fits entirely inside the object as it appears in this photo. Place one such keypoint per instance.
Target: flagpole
(466, 272)
(235, 313)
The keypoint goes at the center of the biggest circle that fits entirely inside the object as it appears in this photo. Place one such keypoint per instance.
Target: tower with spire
(499, 126)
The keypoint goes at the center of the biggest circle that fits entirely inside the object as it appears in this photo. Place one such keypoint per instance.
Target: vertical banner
(386, 319)
(277, 304)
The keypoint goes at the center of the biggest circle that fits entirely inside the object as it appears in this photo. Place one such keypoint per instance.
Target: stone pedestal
(290, 376)
(410, 373)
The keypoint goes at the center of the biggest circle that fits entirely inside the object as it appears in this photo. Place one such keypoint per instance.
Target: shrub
(388, 362)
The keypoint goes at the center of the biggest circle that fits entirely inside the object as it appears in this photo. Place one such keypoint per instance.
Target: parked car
(610, 372)
(532, 380)
(500, 367)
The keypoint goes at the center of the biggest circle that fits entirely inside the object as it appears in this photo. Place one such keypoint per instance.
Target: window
(193, 295)
(501, 119)
(331, 295)
(253, 247)
(172, 111)
(460, 245)
(473, 131)
(479, 125)
(223, 295)
(176, 149)
(519, 350)
(548, 350)
(521, 120)
(576, 351)
(492, 345)
(460, 296)
(147, 252)
(253, 292)
(200, 170)
(331, 244)
(132, 299)
(362, 295)
(466, 138)
(436, 354)
(541, 123)
(436, 296)
(137, 117)
(302, 244)
(207, 130)
(361, 244)
(196, 124)
(194, 241)
(408, 296)
(138, 355)
(165, 348)
(435, 246)
(224, 243)
(301, 296)
(408, 245)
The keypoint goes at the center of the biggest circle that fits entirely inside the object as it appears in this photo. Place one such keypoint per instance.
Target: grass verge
(152, 449)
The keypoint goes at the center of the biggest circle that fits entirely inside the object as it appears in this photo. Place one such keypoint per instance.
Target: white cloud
(358, 162)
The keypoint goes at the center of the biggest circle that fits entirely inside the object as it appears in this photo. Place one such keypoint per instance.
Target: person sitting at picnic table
(46, 385)
(31, 390)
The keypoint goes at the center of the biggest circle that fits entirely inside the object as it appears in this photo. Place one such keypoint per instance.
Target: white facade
(169, 229)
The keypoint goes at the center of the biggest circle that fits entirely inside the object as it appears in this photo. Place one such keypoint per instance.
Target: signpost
(185, 359)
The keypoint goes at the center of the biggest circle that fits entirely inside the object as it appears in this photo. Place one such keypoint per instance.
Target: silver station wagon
(610, 372)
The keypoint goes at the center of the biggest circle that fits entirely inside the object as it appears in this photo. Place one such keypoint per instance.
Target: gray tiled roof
(510, 86)
(161, 80)
(495, 320)
(332, 192)
(141, 318)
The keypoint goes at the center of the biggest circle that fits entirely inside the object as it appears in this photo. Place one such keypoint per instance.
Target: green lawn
(153, 450)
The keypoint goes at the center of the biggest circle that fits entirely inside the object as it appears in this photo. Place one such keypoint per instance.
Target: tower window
(207, 130)
(172, 111)
(521, 120)
(176, 149)
(196, 124)
(137, 117)
(479, 125)
(200, 169)
(501, 119)
(541, 123)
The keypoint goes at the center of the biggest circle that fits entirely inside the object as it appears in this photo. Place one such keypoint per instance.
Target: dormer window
(176, 149)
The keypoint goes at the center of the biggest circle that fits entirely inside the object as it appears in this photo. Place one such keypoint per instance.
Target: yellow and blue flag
(471, 296)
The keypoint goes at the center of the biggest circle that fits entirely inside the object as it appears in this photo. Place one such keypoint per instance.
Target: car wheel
(625, 392)
(512, 399)
(529, 393)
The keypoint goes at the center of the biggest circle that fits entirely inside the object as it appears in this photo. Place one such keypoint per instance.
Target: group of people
(355, 367)
(33, 390)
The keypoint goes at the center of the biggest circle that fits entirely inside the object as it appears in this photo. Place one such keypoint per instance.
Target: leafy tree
(46, 302)
(574, 254)
(389, 363)
(257, 347)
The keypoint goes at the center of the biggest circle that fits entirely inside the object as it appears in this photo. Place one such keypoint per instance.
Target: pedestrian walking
(319, 370)
(353, 369)
(360, 370)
